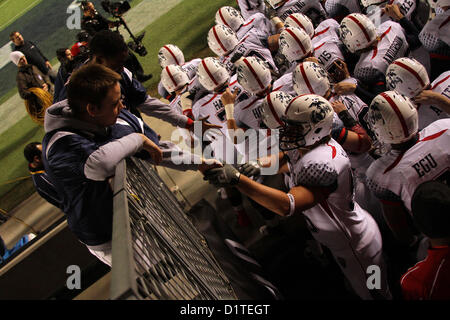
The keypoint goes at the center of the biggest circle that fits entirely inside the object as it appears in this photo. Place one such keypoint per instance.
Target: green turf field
(186, 25)
(13, 9)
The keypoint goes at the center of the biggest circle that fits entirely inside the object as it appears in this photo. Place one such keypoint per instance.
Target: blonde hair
(36, 107)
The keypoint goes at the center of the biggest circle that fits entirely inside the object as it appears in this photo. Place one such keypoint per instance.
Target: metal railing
(157, 253)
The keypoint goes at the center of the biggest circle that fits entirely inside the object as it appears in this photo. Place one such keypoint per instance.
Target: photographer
(94, 22)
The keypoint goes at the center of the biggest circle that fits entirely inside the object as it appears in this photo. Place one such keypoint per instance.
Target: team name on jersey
(294, 9)
(424, 165)
(446, 92)
(393, 50)
(257, 112)
(324, 57)
(406, 6)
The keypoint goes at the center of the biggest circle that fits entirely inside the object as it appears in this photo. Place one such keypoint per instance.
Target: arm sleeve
(411, 33)
(22, 88)
(158, 109)
(102, 162)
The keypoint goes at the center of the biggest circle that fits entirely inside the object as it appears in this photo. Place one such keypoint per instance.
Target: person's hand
(250, 169)
(427, 97)
(342, 88)
(229, 97)
(393, 11)
(205, 125)
(48, 64)
(151, 147)
(223, 177)
(338, 106)
(341, 68)
(45, 87)
(208, 164)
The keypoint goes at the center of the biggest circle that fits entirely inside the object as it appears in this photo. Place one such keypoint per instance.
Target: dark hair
(83, 36)
(61, 55)
(11, 35)
(90, 84)
(31, 150)
(430, 206)
(107, 43)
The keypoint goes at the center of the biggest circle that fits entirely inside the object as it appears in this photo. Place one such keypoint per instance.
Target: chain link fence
(156, 251)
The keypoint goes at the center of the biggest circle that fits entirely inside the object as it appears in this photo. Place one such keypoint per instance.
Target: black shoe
(144, 77)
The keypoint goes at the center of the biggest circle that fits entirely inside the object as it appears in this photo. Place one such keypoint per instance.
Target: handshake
(228, 175)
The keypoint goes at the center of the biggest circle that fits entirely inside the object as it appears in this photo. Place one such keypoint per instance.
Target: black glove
(250, 169)
(223, 177)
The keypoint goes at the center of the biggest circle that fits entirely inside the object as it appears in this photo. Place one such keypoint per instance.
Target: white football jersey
(250, 7)
(250, 45)
(407, 8)
(393, 45)
(429, 113)
(312, 8)
(338, 222)
(326, 43)
(395, 176)
(336, 8)
(257, 22)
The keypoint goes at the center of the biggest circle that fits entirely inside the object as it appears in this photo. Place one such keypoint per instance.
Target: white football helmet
(274, 105)
(230, 17)
(407, 76)
(276, 3)
(212, 74)
(299, 20)
(442, 3)
(310, 78)
(253, 75)
(295, 44)
(170, 54)
(222, 39)
(357, 32)
(308, 119)
(393, 118)
(173, 78)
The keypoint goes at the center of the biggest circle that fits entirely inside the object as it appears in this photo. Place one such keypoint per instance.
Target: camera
(116, 9)
(137, 46)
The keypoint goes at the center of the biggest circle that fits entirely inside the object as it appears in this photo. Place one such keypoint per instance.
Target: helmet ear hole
(318, 130)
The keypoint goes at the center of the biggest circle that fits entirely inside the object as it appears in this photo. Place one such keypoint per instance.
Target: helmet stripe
(355, 20)
(397, 112)
(411, 70)
(209, 73)
(223, 19)
(297, 21)
(296, 39)
(218, 40)
(172, 54)
(254, 73)
(305, 77)
(171, 76)
(272, 109)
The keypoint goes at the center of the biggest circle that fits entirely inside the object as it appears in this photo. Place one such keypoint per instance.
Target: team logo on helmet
(320, 111)
(344, 31)
(393, 79)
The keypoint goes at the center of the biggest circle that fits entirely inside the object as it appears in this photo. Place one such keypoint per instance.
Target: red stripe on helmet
(254, 73)
(209, 73)
(360, 26)
(296, 39)
(305, 77)
(223, 19)
(172, 54)
(171, 76)
(297, 21)
(411, 70)
(218, 40)
(375, 51)
(397, 112)
(272, 109)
